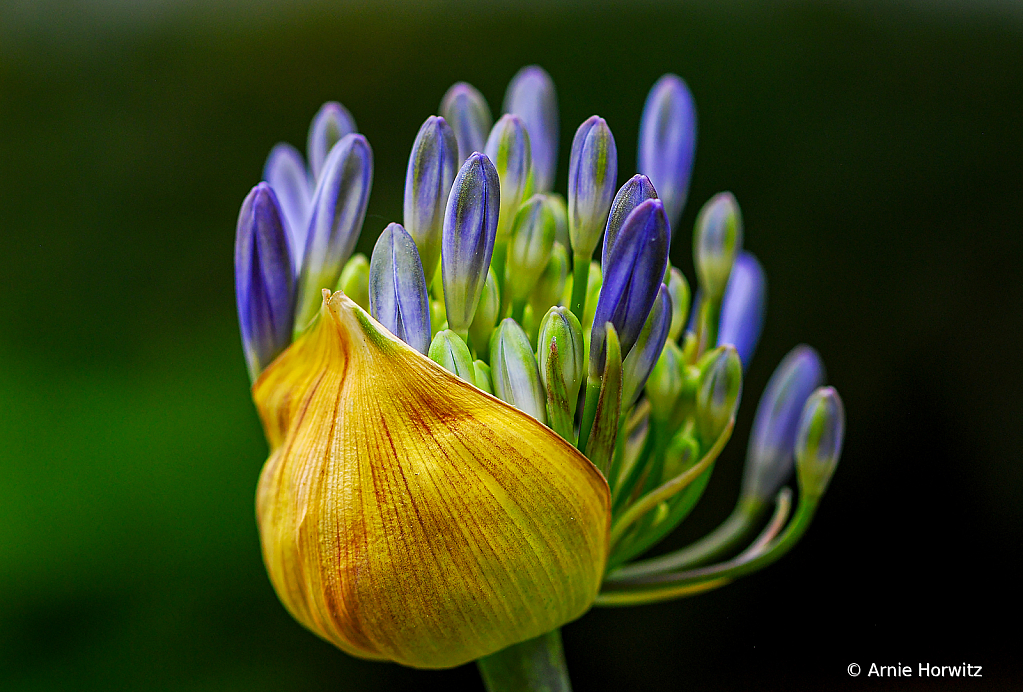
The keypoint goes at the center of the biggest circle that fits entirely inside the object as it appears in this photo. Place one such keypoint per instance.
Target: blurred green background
(876, 150)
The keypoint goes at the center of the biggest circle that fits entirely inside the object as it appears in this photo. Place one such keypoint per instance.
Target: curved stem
(667, 490)
(670, 585)
(535, 665)
(724, 538)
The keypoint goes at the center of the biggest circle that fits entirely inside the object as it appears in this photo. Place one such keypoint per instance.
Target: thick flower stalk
(477, 432)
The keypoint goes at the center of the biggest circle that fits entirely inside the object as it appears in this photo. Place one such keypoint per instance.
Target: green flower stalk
(476, 434)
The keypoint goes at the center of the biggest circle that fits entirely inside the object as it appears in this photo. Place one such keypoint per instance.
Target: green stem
(662, 587)
(669, 489)
(580, 277)
(589, 412)
(724, 538)
(535, 665)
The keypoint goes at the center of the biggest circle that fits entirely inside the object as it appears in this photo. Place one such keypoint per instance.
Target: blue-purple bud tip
(667, 142)
(592, 179)
(264, 279)
(532, 97)
(631, 279)
(432, 166)
(634, 192)
(397, 288)
(330, 124)
(467, 112)
(743, 307)
(338, 210)
(285, 172)
(773, 437)
(467, 245)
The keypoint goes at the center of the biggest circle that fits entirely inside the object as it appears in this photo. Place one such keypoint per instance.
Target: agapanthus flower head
(464, 459)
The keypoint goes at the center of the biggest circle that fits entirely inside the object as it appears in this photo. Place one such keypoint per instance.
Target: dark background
(877, 153)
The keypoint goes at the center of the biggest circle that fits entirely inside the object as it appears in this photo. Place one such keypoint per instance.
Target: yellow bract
(406, 515)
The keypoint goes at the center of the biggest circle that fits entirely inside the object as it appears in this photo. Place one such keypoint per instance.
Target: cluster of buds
(475, 432)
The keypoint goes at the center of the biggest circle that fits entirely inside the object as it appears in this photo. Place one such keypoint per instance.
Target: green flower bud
(508, 148)
(678, 289)
(354, 281)
(666, 381)
(717, 241)
(560, 209)
(485, 319)
(514, 370)
(484, 380)
(718, 391)
(551, 284)
(449, 351)
(529, 247)
(819, 440)
(561, 329)
(438, 317)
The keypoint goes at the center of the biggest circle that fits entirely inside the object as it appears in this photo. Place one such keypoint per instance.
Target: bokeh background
(877, 152)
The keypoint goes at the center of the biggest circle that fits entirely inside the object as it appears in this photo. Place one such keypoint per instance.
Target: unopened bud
(716, 243)
(354, 281)
(819, 440)
(449, 351)
(514, 370)
(718, 391)
(397, 288)
(467, 112)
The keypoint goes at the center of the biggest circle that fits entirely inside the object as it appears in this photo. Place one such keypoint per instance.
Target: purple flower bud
(330, 124)
(643, 356)
(338, 210)
(285, 172)
(397, 288)
(742, 309)
(431, 169)
(773, 437)
(667, 142)
(264, 279)
(467, 245)
(531, 96)
(467, 112)
(592, 176)
(632, 279)
(634, 192)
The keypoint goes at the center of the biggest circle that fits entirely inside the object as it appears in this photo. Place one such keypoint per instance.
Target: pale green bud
(529, 247)
(717, 241)
(354, 281)
(514, 370)
(551, 284)
(449, 351)
(718, 391)
(666, 381)
(560, 209)
(562, 329)
(678, 289)
(485, 319)
(819, 440)
(484, 380)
